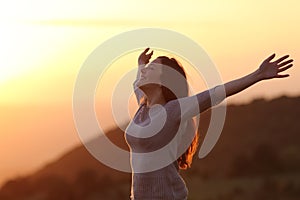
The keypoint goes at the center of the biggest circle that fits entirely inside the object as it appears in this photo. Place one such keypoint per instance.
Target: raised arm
(267, 70)
(142, 61)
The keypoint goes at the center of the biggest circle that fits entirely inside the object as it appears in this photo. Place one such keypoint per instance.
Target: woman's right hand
(269, 70)
(144, 57)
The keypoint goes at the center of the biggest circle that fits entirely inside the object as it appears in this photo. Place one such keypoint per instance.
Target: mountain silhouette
(260, 139)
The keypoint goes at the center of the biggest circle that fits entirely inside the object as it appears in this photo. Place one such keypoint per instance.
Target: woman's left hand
(269, 70)
(144, 57)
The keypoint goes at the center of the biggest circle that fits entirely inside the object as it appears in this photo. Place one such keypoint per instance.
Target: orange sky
(44, 43)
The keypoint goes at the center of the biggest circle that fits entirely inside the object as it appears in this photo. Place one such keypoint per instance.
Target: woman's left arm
(142, 61)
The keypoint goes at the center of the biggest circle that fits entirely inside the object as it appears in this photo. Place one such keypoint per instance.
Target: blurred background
(43, 45)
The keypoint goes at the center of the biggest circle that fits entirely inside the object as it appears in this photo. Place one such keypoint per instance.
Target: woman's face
(151, 74)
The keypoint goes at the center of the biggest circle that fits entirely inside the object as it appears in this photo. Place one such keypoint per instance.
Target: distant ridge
(260, 138)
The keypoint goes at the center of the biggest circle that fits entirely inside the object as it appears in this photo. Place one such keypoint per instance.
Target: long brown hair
(185, 160)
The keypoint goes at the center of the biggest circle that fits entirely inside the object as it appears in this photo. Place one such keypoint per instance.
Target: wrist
(141, 63)
(258, 75)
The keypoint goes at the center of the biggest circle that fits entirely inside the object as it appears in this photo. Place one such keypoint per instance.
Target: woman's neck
(155, 100)
(154, 96)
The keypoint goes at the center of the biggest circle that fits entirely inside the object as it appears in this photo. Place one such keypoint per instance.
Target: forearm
(138, 92)
(241, 84)
(220, 92)
(140, 67)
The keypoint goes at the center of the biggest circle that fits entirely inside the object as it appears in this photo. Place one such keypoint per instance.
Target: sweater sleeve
(188, 107)
(138, 92)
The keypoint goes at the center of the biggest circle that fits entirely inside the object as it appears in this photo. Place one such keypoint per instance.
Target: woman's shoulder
(172, 104)
(173, 109)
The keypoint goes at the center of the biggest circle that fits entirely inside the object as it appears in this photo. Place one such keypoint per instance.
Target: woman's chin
(140, 82)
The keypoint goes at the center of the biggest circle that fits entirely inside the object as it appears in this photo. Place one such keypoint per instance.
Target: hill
(259, 147)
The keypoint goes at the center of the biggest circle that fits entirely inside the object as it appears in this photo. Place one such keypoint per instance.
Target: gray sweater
(155, 175)
(156, 138)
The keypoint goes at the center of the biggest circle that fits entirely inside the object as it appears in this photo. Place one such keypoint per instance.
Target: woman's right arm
(192, 106)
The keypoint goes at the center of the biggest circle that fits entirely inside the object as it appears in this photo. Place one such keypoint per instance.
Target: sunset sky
(44, 43)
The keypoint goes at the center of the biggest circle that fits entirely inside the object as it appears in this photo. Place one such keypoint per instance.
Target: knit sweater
(163, 182)
(157, 136)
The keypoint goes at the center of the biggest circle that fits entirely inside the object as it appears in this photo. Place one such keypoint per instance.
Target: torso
(153, 156)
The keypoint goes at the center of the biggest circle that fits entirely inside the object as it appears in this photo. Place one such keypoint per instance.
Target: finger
(146, 50)
(150, 54)
(282, 76)
(285, 68)
(270, 58)
(282, 58)
(285, 63)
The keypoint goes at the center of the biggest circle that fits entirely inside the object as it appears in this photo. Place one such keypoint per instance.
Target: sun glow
(21, 49)
(44, 43)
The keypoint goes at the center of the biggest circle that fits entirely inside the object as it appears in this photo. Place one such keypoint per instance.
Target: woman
(162, 137)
